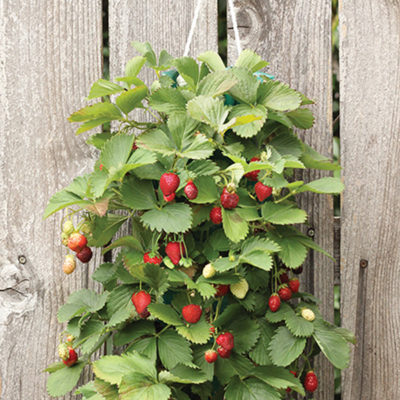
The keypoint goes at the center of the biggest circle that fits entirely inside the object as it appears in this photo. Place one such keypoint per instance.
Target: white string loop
(194, 22)
(193, 27)
(235, 27)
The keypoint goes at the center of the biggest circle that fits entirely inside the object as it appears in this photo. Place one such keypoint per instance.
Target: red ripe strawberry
(134, 147)
(101, 167)
(285, 293)
(253, 175)
(294, 285)
(288, 390)
(169, 182)
(225, 340)
(216, 215)
(85, 255)
(211, 356)
(262, 191)
(76, 242)
(274, 302)
(298, 270)
(141, 300)
(284, 278)
(212, 329)
(157, 260)
(169, 198)
(175, 251)
(311, 382)
(191, 190)
(222, 290)
(145, 314)
(72, 359)
(192, 313)
(229, 200)
(224, 353)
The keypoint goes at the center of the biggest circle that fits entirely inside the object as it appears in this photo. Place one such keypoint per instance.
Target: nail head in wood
(22, 259)
(311, 232)
(363, 263)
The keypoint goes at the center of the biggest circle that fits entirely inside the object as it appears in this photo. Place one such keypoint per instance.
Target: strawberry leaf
(174, 349)
(63, 380)
(235, 227)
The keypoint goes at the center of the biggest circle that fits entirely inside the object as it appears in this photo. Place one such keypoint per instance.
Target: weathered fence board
(50, 52)
(295, 37)
(370, 124)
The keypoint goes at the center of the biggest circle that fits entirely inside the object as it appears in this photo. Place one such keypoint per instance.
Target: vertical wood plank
(295, 37)
(370, 151)
(50, 52)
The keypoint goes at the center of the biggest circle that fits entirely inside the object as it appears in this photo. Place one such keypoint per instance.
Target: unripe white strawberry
(63, 351)
(208, 271)
(240, 288)
(69, 264)
(308, 314)
(68, 227)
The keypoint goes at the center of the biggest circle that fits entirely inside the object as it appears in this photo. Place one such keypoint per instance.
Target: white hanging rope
(194, 22)
(193, 27)
(235, 27)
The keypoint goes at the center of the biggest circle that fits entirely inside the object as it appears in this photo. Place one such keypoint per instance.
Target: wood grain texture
(370, 151)
(165, 24)
(295, 37)
(50, 52)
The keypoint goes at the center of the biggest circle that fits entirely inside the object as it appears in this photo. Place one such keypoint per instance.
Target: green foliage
(205, 124)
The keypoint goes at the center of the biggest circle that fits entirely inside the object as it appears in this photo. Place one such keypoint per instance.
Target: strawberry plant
(200, 300)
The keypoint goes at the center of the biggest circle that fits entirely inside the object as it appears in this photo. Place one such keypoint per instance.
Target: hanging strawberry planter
(201, 300)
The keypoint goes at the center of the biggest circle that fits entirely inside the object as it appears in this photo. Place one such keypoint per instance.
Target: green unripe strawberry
(208, 271)
(68, 227)
(63, 351)
(240, 288)
(86, 229)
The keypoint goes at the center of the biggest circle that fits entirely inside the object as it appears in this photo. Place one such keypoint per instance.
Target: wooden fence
(50, 53)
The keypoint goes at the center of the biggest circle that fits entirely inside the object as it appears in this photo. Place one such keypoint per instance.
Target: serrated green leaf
(132, 98)
(120, 316)
(133, 331)
(168, 100)
(256, 251)
(324, 185)
(99, 139)
(284, 348)
(146, 347)
(90, 334)
(83, 300)
(63, 380)
(245, 90)
(279, 378)
(189, 70)
(279, 315)
(208, 110)
(249, 60)
(138, 195)
(103, 87)
(298, 326)
(196, 333)
(134, 65)
(213, 60)
(313, 159)
(259, 354)
(124, 241)
(278, 96)
(250, 389)
(156, 140)
(54, 367)
(235, 227)
(104, 228)
(287, 143)
(174, 349)
(216, 83)
(172, 218)
(223, 264)
(246, 332)
(108, 391)
(251, 128)
(203, 167)
(282, 213)
(182, 374)
(207, 190)
(332, 344)
(146, 51)
(165, 313)
(137, 387)
(120, 297)
(106, 111)
(302, 118)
